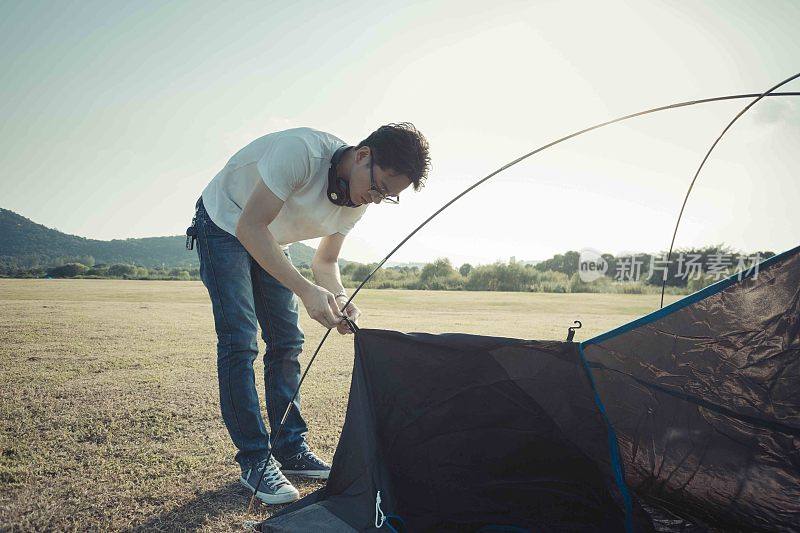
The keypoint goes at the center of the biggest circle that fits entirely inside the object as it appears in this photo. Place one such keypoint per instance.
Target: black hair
(401, 148)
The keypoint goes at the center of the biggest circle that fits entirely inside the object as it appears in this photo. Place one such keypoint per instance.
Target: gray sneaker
(274, 488)
(306, 464)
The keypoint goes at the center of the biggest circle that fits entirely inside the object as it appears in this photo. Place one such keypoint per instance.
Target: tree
(440, 275)
(566, 263)
(87, 260)
(120, 270)
(361, 272)
(70, 270)
(100, 270)
(439, 269)
(349, 268)
(465, 269)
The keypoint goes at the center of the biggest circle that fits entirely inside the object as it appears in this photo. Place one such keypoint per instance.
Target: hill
(26, 244)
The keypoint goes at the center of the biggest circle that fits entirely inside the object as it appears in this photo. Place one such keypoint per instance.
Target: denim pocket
(219, 241)
(210, 227)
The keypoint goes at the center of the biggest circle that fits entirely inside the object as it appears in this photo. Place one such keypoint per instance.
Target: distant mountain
(26, 244)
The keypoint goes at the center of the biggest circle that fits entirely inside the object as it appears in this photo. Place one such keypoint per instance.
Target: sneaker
(306, 464)
(274, 488)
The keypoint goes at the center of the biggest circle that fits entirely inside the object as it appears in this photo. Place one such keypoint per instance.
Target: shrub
(70, 270)
(440, 275)
(360, 272)
(87, 260)
(120, 270)
(348, 269)
(99, 271)
(500, 277)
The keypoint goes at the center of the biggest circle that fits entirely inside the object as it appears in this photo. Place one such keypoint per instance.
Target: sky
(115, 115)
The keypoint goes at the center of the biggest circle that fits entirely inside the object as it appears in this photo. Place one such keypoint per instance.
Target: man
(282, 188)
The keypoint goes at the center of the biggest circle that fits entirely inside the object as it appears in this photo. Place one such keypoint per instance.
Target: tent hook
(571, 330)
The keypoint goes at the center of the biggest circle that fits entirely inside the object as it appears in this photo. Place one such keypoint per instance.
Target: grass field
(110, 415)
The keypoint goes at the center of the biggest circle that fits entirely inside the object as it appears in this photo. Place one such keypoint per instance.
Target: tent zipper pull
(380, 518)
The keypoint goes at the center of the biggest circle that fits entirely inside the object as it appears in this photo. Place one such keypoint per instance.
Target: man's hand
(321, 306)
(351, 311)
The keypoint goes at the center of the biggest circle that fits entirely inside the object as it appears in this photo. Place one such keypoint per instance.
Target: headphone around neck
(338, 188)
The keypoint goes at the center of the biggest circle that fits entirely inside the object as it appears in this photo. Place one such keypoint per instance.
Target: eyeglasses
(385, 198)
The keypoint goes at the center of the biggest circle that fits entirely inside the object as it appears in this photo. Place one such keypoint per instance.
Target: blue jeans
(243, 297)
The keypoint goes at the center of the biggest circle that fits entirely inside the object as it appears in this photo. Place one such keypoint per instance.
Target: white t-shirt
(294, 165)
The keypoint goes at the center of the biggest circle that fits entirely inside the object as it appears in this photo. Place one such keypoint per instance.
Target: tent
(692, 411)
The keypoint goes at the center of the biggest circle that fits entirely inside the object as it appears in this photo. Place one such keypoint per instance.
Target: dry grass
(110, 418)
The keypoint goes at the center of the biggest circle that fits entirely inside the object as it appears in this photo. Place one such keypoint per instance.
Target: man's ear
(361, 153)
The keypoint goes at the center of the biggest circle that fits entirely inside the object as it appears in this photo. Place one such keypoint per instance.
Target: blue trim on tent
(692, 298)
(613, 449)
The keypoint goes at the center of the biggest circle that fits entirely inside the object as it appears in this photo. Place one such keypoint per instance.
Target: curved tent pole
(703, 162)
(277, 432)
(558, 141)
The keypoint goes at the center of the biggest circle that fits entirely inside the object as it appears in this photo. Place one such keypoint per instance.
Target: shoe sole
(312, 474)
(271, 499)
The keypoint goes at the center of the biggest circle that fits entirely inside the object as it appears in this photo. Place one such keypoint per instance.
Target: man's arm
(325, 266)
(262, 207)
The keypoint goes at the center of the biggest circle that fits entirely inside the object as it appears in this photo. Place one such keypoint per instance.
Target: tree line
(559, 274)
(86, 267)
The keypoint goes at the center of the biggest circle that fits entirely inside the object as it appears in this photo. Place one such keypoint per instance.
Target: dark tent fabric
(694, 409)
(460, 432)
(704, 398)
